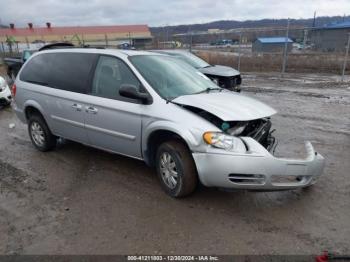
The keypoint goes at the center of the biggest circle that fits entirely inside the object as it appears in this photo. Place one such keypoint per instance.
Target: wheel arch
(157, 136)
(32, 107)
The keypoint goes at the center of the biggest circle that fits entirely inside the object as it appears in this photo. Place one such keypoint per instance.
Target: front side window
(171, 77)
(110, 74)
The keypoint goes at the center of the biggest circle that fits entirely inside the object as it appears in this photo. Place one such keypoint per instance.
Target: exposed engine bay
(258, 129)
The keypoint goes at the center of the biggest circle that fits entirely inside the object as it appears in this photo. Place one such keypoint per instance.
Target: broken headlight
(223, 141)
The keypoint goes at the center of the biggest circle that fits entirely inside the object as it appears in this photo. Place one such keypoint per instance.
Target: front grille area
(247, 179)
(278, 180)
(259, 130)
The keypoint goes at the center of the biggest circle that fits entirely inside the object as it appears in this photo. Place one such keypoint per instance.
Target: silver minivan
(158, 109)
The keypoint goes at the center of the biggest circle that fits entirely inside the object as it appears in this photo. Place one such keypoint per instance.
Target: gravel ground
(79, 200)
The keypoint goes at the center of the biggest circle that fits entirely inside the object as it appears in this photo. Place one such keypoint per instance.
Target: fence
(314, 50)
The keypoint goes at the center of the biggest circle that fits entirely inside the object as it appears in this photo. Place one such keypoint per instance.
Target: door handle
(77, 107)
(91, 110)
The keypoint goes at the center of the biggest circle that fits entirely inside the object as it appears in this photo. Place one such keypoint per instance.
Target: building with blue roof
(336, 25)
(272, 44)
(331, 37)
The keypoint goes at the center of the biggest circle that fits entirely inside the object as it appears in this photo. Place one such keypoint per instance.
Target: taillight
(14, 90)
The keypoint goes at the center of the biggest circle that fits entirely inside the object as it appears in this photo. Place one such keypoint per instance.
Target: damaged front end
(241, 155)
(258, 129)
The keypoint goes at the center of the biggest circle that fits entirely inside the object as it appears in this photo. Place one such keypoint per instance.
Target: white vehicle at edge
(5, 93)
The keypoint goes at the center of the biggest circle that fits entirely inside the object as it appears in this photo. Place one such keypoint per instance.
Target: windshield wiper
(207, 90)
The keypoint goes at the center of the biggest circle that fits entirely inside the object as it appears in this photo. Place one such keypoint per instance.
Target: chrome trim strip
(67, 121)
(110, 132)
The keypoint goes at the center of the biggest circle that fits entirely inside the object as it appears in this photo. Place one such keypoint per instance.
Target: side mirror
(130, 91)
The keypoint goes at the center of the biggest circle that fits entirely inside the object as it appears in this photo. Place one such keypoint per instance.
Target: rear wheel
(176, 169)
(40, 134)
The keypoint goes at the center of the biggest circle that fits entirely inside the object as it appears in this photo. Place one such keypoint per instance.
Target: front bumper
(257, 169)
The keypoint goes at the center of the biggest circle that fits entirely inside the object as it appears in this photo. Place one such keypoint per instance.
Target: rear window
(65, 71)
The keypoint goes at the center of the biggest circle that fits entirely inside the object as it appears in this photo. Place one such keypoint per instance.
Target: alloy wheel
(168, 170)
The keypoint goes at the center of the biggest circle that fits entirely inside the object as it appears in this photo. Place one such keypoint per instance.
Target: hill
(231, 24)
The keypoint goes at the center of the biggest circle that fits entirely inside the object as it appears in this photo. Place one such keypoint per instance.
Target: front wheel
(176, 169)
(40, 134)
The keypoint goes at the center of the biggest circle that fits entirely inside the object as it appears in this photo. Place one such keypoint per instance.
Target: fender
(185, 134)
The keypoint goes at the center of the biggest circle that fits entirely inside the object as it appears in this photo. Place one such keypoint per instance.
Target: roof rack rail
(56, 46)
(67, 45)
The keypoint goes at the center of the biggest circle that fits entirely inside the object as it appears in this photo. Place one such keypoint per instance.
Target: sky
(159, 12)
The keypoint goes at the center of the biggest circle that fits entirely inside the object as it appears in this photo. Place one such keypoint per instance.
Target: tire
(173, 156)
(40, 134)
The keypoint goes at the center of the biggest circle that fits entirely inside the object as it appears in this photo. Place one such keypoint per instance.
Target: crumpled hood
(219, 70)
(229, 106)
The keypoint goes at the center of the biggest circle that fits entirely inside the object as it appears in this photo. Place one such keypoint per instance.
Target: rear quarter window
(36, 70)
(65, 71)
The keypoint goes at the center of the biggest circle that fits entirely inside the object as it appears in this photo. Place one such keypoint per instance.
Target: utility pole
(167, 32)
(346, 58)
(305, 38)
(314, 22)
(189, 33)
(191, 39)
(239, 51)
(106, 40)
(285, 51)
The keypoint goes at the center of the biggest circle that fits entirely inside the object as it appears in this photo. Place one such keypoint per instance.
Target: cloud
(159, 12)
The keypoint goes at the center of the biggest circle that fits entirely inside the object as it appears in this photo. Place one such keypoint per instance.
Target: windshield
(170, 77)
(193, 60)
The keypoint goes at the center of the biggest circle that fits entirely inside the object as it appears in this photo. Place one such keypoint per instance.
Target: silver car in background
(224, 76)
(158, 109)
